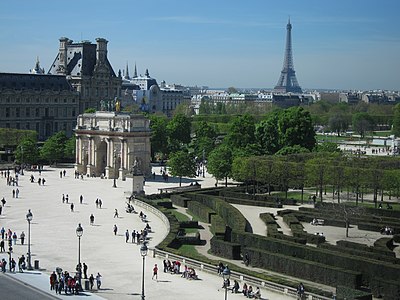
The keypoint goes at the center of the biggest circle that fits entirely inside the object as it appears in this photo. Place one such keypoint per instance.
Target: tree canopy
(182, 163)
(53, 150)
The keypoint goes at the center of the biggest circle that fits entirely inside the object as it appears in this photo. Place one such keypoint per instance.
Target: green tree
(327, 147)
(241, 132)
(232, 90)
(338, 123)
(27, 151)
(182, 164)
(70, 148)
(396, 121)
(296, 128)
(159, 141)
(362, 122)
(219, 162)
(267, 135)
(292, 150)
(53, 149)
(178, 129)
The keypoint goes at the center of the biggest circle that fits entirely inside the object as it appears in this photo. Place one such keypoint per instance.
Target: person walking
(126, 236)
(116, 213)
(81, 199)
(91, 281)
(91, 219)
(98, 280)
(2, 248)
(133, 236)
(17, 193)
(85, 267)
(115, 229)
(155, 272)
(72, 207)
(22, 237)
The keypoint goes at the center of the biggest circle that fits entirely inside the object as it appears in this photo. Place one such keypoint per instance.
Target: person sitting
(192, 274)
(235, 288)
(148, 228)
(244, 289)
(250, 292)
(257, 293)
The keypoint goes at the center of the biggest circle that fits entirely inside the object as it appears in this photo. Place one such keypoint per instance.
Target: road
(12, 289)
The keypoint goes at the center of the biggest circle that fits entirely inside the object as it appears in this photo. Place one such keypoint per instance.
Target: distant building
(350, 98)
(45, 103)
(88, 70)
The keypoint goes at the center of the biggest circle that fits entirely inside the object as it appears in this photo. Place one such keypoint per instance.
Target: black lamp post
(22, 160)
(79, 233)
(226, 274)
(115, 170)
(143, 252)
(29, 217)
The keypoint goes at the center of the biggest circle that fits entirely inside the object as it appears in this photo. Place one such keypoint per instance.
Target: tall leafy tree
(27, 151)
(362, 122)
(182, 164)
(241, 132)
(70, 148)
(338, 123)
(267, 135)
(396, 121)
(296, 128)
(220, 162)
(178, 129)
(159, 141)
(53, 149)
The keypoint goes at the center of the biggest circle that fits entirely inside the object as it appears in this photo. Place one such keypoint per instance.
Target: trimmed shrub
(217, 226)
(190, 239)
(225, 249)
(179, 200)
(343, 292)
(189, 224)
(201, 211)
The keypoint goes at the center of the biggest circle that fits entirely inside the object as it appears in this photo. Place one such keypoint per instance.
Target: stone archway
(101, 158)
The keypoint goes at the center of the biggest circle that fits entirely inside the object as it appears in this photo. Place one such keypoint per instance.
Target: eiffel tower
(287, 82)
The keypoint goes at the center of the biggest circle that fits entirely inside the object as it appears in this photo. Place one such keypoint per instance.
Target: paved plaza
(54, 242)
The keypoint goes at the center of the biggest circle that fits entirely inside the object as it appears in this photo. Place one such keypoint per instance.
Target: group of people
(174, 267)
(247, 290)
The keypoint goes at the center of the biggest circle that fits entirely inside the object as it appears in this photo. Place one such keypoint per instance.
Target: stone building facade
(108, 143)
(44, 103)
(88, 70)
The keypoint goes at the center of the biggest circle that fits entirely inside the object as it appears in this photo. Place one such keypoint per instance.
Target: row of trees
(378, 175)
(56, 148)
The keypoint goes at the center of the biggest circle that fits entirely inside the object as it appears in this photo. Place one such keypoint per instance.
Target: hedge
(191, 239)
(362, 247)
(201, 211)
(343, 292)
(179, 200)
(370, 268)
(225, 249)
(189, 224)
(301, 268)
(217, 226)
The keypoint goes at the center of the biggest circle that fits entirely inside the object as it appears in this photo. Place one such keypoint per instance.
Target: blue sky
(341, 44)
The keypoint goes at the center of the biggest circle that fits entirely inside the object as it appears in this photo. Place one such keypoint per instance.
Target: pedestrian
(13, 193)
(100, 203)
(91, 219)
(126, 236)
(1, 210)
(14, 237)
(133, 236)
(43, 181)
(2, 249)
(72, 207)
(16, 193)
(39, 181)
(66, 198)
(91, 281)
(64, 172)
(81, 199)
(3, 265)
(13, 264)
(97, 202)
(60, 174)
(115, 229)
(155, 272)
(3, 202)
(85, 267)
(116, 213)
(98, 280)
(53, 278)
(63, 198)
(22, 237)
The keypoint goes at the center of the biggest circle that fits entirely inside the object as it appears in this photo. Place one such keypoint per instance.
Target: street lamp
(29, 217)
(226, 274)
(22, 160)
(143, 252)
(79, 233)
(115, 170)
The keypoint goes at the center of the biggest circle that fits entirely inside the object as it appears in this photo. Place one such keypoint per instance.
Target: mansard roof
(37, 82)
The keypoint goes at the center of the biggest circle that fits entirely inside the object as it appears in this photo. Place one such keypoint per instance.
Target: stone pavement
(54, 242)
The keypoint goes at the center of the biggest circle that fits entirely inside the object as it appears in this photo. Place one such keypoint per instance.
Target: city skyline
(338, 45)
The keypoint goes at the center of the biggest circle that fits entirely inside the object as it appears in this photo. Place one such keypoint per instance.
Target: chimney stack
(63, 55)
(101, 51)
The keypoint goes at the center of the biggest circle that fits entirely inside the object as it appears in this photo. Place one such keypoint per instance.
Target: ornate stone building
(108, 143)
(88, 70)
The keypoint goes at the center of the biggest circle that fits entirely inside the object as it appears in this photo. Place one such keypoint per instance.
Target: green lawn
(294, 194)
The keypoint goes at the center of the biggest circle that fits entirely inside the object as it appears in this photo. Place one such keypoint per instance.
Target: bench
(317, 222)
